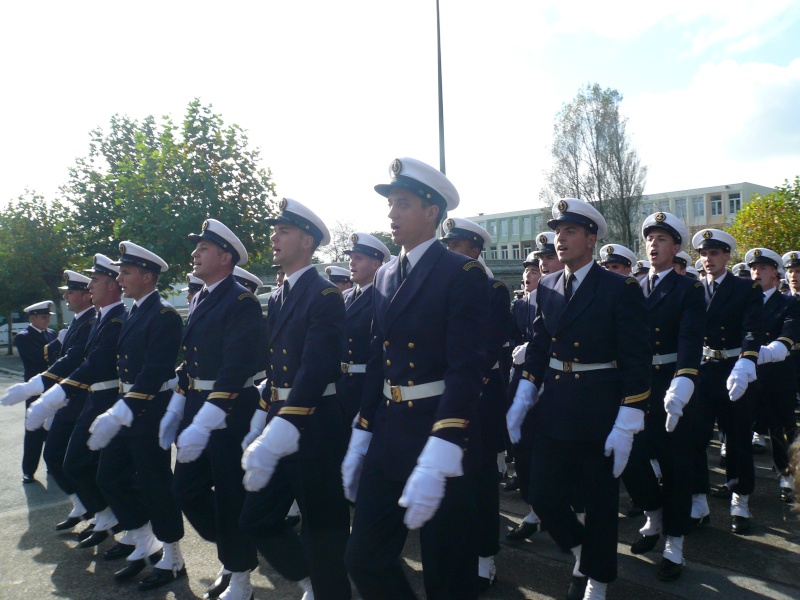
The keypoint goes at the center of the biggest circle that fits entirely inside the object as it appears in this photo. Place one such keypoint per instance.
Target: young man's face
(661, 249)
(618, 267)
(104, 290)
(531, 277)
(548, 263)
(766, 275)
(411, 222)
(463, 247)
(291, 246)
(362, 268)
(39, 321)
(574, 243)
(77, 300)
(714, 261)
(133, 281)
(793, 277)
(209, 260)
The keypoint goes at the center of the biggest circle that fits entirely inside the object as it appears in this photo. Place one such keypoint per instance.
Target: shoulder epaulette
(330, 290)
(632, 280)
(248, 295)
(756, 284)
(473, 264)
(698, 284)
(498, 284)
(168, 309)
(120, 321)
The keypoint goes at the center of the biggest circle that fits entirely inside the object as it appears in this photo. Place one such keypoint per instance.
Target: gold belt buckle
(191, 383)
(718, 354)
(274, 394)
(345, 368)
(567, 367)
(397, 393)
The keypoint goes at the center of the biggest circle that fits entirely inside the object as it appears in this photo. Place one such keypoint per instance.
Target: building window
(493, 254)
(680, 208)
(514, 226)
(515, 252)
(527, 249)
(699, 207)
(663, 206)
(526, 225)
(716, 205)
(503, 252)
(492, 229)
(538, 223)
(504, 228)
(734, 203)
(647, 209)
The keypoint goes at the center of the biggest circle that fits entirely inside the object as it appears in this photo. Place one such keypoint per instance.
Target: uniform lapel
(772, 307)
(295, 293)
(412, 284)
(581, 298)
(210, 302)
(661, 290)
(723, 291)
(138, 313)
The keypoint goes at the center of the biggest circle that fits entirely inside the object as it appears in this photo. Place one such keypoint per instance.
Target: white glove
(49, 423)
(677, 397)
(279, 439)
(742, 374)
(194, 439)
(620, 440)
(257, 424)
(527, 395)
(168, 428)
(518, 355)
(45, 407)
(22, 391)
(261, 387)
(61, 335)
(773, 352)
(354, 461)
(172, 384)
(107, 425)
(424, 489)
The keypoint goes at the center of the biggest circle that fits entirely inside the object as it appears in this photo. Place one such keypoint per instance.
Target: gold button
(410, 404)
(577, 376)
(723, 339)
(558, 376)
(350, 340)
(184, 349)
(411, 365)
(657, 330)
(410, 383)
(284, 350)
(577, 345)
(722, 329)
(271, 351)
(126, 356)
(388, 363)
(575, 360)
(126, 370)
(658, 343)
(411, 345)
(658, 368)
(349, 351)
(552, 339)
(387, 403)
(285, 369)
(554, 353)
(196, 365)
(389, 381)
(272, 367)
(195, 349)
(386, 343)
(285, 385)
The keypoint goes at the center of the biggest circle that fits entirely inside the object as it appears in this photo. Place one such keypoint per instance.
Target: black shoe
(704, 520)
(85, 533)
(159, 577)
(577, 587)
(634, 511)
(93, 540)
(668, 570)
(220, 585)
(292, 520)
(68, 523)
(511, 485)
(523, 531)
(723, 493)
(134, 567)
(644, 543)
(484, 583)
(120, 550)
(740, 525)
(787, 495)
(28, 478)
(759, 449)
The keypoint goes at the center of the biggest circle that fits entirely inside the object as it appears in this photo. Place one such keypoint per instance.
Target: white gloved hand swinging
(279, 439)
(354, 461)
(107, 425)
(677, 397)
(619, 442)
(45, 407)
(171, 421)
(194, 439)
(742, 374)
(22, 391)
(257, 424)
(526, 397)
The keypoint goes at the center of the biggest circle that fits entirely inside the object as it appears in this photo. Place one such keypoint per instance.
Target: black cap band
(218, 240)
(458, 233)
(666, 227)
(679, 261)
(290, 218)
(617, 258)
(130, 259)
(712, 243)
(367, 250)
(571, 217)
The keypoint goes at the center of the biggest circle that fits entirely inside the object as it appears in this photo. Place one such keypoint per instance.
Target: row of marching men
(411, 356)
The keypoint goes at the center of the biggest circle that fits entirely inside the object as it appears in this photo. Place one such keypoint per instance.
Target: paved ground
(36, 562)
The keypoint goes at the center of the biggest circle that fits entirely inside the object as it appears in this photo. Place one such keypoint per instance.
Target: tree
(36, 245)
(386, 238)
(593, 159)
(771, 221)
(340, 241)
(154, 183)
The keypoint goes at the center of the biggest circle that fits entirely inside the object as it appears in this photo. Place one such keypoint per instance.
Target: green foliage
(155, 183)
(386, 238)
(771, 221)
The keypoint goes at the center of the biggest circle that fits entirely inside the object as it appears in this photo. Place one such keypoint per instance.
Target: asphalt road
(36, 562)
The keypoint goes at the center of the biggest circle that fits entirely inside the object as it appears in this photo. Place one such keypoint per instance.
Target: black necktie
(133, 308)
(203, 295)
(568, 286)
(404, 267)
(355, 295)
(285, 292)
(714, 287)
(651, 284)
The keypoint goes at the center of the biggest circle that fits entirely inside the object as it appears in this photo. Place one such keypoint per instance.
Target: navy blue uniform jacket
(604, 321)
(32, 347)
(355, 350)
(735, 318)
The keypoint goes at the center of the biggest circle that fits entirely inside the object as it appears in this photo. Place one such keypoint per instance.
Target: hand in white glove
(168, 427)
(620, 440)
(518, 355)
(742, 374)
(107, 425)
(194, 439)
(677, 397)
(527, 395)
(261, 387)
(45, 407)
(773, 352)
(22, 391)
(354, 461)
(425, 488)
(172, 384)
(61, 335)
(49, 423)
(279, 439)
(257, 424)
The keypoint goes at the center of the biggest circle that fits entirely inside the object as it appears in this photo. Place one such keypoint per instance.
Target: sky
(331, 92)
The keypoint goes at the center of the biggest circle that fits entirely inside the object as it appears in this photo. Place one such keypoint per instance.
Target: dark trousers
(674, 452)
(80, 466)
(555, 467)
(491, 415)
(448, 542)
(135, 476)
(32, 445)
(312, 476)
(735, 419)
(55, 449)
(209, 490)
(775, 391)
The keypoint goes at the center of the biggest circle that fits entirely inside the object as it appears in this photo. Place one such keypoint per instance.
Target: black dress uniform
(355, 350)
(430, 327)
(220, 344)
(32, 346)
(72, 353)
(604, 322)
(675, 317)
(99, 369)
(734, 320)
(305, 345)
(146, 355)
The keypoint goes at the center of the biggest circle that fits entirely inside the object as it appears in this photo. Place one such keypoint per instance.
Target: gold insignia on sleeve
(632, 280)
(498, 284)
(223, 395)
(247, 295)
(636, 398)
(756, 285)
(450, 424)
(698, 284)
(120, 321)
(660, 217)
(297, 410)
(331, 290)
(707, 234)
(686, 372)
(363, 422)
(474, 264)
(562, 206)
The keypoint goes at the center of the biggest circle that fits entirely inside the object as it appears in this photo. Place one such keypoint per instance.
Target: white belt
(207, 385)
(127, 387)
(496, 365)
(111, 384)
(665, 359)
(573, 367)
(260, 375)
(402, 393)
(711, 353)
(282, 394)
(348, 368)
